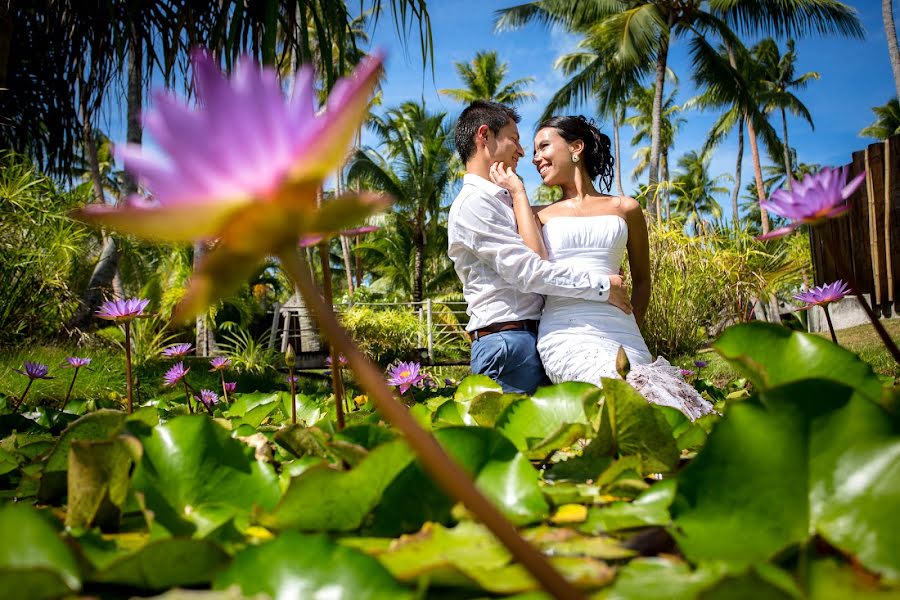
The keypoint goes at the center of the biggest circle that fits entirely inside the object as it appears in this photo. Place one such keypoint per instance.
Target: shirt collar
(486, 186)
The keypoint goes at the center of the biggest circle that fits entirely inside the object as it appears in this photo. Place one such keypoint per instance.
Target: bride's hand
(506, 178)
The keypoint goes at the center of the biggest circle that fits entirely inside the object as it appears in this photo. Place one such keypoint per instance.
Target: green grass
(862, 340)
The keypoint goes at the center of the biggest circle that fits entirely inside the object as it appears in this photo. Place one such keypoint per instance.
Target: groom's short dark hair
(481, 112)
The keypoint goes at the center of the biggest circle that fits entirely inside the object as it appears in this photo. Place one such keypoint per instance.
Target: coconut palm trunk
(757, 173)
(108, 263)
(735, 213)
(887, 15)
(615, 120)
(788, 172)
(656, 122)
(419, 262)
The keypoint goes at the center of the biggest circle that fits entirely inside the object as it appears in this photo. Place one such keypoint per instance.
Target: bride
(578, 340)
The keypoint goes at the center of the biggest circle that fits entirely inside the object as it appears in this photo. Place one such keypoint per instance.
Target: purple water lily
(342, 360)
(220, 363)
(122, 310)
(291, 379)
(75, 362)
(700, 363)
(686, 373)
(34, 370)
(209, 399)
(175, 374)
(815, 198)
(230, 386)
(405, 375)
(824, 294)
(177, 350)
(243, 166)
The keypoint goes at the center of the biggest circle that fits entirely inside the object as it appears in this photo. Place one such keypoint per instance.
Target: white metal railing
(438, 319)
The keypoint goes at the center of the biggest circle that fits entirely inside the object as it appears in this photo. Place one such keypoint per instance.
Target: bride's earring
(574, 158)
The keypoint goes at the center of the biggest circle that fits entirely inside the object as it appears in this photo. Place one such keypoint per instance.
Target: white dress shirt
(504, 280)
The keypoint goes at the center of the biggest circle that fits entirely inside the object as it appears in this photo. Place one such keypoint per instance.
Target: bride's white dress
(578, 340)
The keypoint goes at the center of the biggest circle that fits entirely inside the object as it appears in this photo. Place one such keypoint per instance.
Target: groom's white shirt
(503, 280)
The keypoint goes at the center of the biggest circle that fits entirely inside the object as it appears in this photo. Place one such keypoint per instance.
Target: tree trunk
(619, 189)
(656, 118)
(788, 172)
(106, 267)
(735, 212)
(887, 15)
(204, 336)
(664, 177)
(348, 265)
(757, 172)
(91, 150)
(418, 268)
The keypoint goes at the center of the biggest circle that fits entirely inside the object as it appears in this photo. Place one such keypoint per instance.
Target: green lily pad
(770, 355)
(388, 493)
(252, 409)
(804, 458)
(165, 563)
(648, 509)
(195, 477)
(555, 417)
(34, 563)
(664, 579)
(474, 385)
(309, 409)
(98, 482)
(99, 425)
(831, 580)
(299, 566)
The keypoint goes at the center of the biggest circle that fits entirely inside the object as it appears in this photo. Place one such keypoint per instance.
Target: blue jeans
(511, 359)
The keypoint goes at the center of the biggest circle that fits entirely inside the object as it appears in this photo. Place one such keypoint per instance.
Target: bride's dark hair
(597, 156)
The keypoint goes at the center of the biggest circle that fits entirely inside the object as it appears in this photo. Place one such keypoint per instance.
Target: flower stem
(830, 325)
(293, 395)
(449, 475)
(335, 366)
(224, 391)
(69, 391)
(848, 277)
(188, 394)
(22, 399)
(128, 390)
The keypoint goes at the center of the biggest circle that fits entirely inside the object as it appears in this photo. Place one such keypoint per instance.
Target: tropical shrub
(40, 251)
(385, 335)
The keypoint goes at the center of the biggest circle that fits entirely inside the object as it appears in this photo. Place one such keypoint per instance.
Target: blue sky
(855, 75)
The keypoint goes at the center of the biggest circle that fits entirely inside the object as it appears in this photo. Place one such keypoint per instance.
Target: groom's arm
(492, 237)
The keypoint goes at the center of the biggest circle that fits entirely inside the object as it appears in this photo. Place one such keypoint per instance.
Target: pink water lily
(175, 374)
(75, 362)
(815, 198)
(405, 375)
(177, 350)
(243, 168)
(220, 363)
(122, 310)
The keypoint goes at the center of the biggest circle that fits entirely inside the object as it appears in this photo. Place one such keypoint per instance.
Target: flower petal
(779, 232)
(854, 183)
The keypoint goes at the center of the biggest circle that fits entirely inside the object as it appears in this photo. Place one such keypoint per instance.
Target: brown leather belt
(524, 325)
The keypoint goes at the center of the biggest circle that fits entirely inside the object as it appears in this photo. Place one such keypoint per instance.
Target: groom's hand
(618, 294)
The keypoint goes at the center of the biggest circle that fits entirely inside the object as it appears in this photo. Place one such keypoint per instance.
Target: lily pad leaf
(34, 562)
(649, 509)
(98, 482)
(298, 566)
(195, 477)
(252, 409)
(823, 453)
(770, 355)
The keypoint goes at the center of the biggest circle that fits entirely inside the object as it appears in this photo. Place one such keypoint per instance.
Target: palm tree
(695, 191)
(887, 121)
(641, 102)
(416, 167)
(640, 30)
(484, 80)
(732, 80)
(591, 74)
(779, 79)
(890, 33)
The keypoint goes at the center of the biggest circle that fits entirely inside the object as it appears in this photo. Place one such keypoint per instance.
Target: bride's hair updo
(597, 155)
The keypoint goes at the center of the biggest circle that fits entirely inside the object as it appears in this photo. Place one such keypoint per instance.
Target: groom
(502, 278)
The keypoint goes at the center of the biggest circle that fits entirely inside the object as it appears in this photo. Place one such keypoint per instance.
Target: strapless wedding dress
(578, 340)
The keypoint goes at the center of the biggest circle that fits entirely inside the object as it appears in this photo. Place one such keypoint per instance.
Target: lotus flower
(815, 198)
(823, 295)
(122, 310)
(244, 168)
(177, 350)
(219, 363)
(74, 362)
(34, 370)
(175, 374)
(405, 375)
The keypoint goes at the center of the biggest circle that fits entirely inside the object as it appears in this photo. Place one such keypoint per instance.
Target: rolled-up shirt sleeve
(492, 237)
